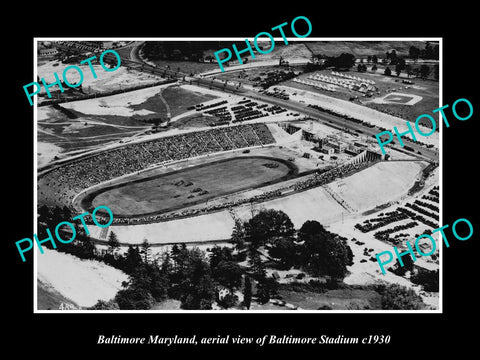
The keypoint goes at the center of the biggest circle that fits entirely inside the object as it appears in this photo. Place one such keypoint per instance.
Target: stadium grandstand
(61, 184)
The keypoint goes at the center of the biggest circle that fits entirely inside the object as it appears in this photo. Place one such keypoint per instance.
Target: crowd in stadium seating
(326, 177)
(68, 180)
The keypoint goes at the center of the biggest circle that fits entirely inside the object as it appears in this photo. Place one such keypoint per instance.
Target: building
(336, 145)
(327, 150)
(306, 135)
(107, 44)
(47, 52)
(351, 152)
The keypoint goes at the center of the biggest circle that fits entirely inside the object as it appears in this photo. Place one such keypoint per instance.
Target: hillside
(362, 48)
(63, 277)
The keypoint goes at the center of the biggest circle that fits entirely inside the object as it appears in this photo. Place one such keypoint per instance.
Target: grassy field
(246, 76)
(338, 299)
(427, 89)
(95, 122)
(192, 121)
(188, 67)
(387, 181)
(50, 299)
(313, 204)
(207, 227)
(192, 185)
(362, 48)
(180, 99)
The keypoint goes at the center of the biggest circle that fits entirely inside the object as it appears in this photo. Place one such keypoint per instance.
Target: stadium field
(396, 98)
(193, 185)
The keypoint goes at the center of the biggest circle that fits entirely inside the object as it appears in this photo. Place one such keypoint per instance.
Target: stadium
(187, 174)
(183, 156)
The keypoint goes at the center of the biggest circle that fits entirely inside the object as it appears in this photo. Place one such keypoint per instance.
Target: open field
(187, 67)
(313, 204)
(247, 75)
(82, 281)
(91, 123)
(209, 227)
(338, 299)
(122, 78)
(178, 99)
(192, 185)
(357, 111)
(191, 180)
(48, 298)
(387, 182)
(427, 90)
(362, 48)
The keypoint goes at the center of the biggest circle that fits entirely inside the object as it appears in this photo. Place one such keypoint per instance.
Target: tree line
(200, 279)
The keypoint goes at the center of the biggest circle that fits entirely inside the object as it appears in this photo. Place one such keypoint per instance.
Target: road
(328, 119)
(429, 154)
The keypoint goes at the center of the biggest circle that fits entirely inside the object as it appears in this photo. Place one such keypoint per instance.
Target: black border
(412, 334)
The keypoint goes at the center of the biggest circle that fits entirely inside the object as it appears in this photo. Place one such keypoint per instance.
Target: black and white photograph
(228, 179)
(241, 189)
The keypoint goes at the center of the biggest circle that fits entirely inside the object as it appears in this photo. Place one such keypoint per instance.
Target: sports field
(177, 189)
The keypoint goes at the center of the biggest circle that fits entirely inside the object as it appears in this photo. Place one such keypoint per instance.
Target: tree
(409, 70)
(424, 71)
(374, 67)
(132, 259)
(387, 71)
(44, 213)
(159, 284)
(408, 265)
(247, 292)
(436, 72)
(413, 52)
(228, 274)
(198, 291)
(286, 251)
(322, 252)
(309, 228)
(219, 254)
(134, 299)
(156, 121)
(228, 300)
(344, 61)
(397, 297)
(105, 305)
(428, 279)
(113, 243)
(267, 226)
(84, 248)
(361, 67)
(256, 265)
(266, 289)
(400, 66)
(146, 252)
(238, 235)
(190, 278)
(393, 57)
(428, 52)
(374, 59)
